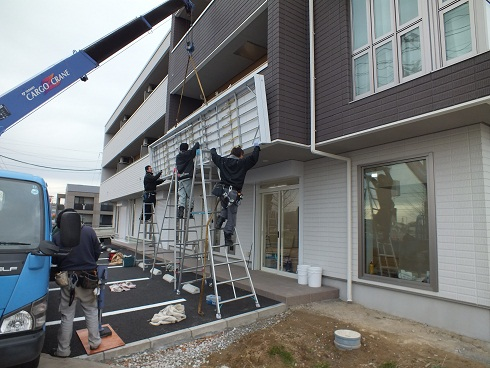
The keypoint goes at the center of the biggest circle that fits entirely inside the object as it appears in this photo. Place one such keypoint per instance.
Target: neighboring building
(85, 200)
(378, 165)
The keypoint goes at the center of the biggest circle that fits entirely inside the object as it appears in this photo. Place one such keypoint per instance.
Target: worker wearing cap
(185, 170)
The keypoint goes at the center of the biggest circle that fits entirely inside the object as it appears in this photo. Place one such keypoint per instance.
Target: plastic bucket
(303, 274)
(314, 276)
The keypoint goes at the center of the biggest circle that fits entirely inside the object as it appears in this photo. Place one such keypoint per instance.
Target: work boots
(180, 212)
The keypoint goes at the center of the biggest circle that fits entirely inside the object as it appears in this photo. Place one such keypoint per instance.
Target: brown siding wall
(287, 73)
(337, 115)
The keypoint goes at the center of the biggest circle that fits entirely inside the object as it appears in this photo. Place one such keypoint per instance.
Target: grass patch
(388, 365)
(281, 352)
(322, 365)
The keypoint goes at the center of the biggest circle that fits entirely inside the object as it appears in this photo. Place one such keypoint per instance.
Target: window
(105, 220)
(21, 215)
(457, 35)
(394, 41)
(84, 203)
(398, 223)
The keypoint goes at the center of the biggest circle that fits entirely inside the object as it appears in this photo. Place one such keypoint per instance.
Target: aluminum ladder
(210, 245)
(147, 232)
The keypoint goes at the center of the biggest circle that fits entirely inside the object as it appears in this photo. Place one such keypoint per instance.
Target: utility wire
(48, 167)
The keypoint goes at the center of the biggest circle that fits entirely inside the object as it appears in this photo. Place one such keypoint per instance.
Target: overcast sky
(68, 131)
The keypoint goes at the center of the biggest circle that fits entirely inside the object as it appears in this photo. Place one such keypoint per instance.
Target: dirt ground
(305, 338)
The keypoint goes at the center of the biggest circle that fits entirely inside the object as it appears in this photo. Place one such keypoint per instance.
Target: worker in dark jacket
(83, 257)
(233, 170)
(185, 169)
(150, 183)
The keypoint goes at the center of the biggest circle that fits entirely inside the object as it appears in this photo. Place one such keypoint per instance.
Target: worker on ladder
(233, 170)
(150, 183)
(185, 169)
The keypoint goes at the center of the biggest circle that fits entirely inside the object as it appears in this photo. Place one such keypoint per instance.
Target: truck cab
(25, 262)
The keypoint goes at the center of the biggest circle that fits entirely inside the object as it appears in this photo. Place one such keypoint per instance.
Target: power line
(48, 167)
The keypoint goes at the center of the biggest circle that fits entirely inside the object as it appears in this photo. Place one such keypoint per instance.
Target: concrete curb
(187, 334)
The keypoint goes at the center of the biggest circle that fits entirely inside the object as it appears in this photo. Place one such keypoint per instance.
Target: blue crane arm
(30, 95)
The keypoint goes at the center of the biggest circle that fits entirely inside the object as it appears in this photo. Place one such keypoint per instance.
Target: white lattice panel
(237, 117)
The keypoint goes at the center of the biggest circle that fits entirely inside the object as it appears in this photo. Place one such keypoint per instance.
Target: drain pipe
(330, 155)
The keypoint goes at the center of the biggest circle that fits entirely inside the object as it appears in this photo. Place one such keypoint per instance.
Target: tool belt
(147, 196)
(227, 194)
(86, 279)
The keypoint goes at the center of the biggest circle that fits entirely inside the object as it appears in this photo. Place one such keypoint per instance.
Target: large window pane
(382, 18)
(457, 32)
(408, 10)
(361, 75)
(396, 228)
(359, 23)
(384, 64)
(411, 54)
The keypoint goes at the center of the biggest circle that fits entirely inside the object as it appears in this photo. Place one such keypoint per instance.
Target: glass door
(280, 229)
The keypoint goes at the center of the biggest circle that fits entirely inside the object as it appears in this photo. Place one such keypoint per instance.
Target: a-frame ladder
(208, 249)
(164, 252)
(147, 236)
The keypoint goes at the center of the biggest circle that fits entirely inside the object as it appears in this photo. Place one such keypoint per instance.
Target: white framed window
(387, 38)
(384, 58)
(394, 41)
(362, 74)
(411, 63)
(457, 31)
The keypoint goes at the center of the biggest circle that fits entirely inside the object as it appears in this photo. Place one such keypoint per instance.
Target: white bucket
(314, 276)
(303, 274)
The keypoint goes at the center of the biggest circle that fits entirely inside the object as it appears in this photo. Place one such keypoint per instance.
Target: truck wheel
(32, 364)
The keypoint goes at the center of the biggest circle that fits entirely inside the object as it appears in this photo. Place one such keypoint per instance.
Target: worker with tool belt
(80, 283)
(150, 183)
(233, 169)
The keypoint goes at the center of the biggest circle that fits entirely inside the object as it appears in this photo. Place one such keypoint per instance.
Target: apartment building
(375, 164)
(85, 200)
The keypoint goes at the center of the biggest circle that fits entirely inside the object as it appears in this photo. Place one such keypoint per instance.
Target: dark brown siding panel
(338, 115)
(288, 60)
(332, 67)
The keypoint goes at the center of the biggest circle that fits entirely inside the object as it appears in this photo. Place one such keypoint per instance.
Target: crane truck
(25, 215)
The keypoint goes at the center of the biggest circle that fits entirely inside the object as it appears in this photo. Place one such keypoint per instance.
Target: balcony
(132, 132)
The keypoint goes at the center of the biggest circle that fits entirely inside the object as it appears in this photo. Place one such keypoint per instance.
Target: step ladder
(387, 259)
(147, 237)
(207, 249)
(164, 252)
(383, 251)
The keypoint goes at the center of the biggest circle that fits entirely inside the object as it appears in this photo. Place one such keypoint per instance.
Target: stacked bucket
(309, 275)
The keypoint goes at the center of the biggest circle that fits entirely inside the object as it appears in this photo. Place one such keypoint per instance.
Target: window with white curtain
(394, 41)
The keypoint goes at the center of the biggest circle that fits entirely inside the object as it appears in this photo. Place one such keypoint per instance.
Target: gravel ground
(194, 353)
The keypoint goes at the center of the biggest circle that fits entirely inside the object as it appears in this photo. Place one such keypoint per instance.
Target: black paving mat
(134, 326)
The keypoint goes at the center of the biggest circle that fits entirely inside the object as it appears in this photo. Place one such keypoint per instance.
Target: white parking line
(114, 282)
(121, 311)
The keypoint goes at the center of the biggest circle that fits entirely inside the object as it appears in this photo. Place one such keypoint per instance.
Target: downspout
(330, 155)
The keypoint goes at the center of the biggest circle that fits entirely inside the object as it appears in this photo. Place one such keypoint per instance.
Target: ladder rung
(227, 263)
(233, 280)
(221, 245)
(237, 298)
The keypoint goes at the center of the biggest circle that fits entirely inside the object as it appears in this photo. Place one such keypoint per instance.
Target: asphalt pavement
(128, 313)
